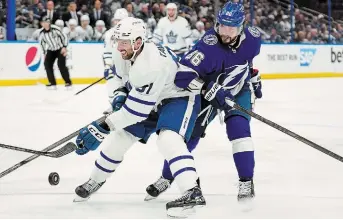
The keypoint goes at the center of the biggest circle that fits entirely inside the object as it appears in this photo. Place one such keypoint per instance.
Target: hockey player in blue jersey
(223, 62)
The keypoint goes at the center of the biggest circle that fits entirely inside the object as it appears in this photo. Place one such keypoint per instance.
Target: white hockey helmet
(84, 18)
(120, 14)
(199, 24)
(73, 22)
(130, 29)
(59, 23)
(172, 6)
(99, 23)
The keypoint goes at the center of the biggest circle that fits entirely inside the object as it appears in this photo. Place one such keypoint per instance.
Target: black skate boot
(186, 204)
(84, 191)
(51, 86)
(246, 190)
(158, 187)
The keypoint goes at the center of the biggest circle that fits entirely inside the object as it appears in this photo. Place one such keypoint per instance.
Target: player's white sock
(181, 162)
(114, 147)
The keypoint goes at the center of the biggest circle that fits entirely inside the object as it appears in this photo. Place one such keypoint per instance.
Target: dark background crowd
(272, 17)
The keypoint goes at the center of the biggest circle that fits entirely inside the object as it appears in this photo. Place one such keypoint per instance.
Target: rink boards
(22, 63)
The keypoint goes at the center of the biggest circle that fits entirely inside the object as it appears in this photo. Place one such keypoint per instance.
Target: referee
(54, 45)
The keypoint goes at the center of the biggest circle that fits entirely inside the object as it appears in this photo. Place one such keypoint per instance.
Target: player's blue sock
(238, 131)
(191, 145)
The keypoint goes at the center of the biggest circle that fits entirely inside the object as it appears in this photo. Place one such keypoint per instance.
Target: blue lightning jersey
(217, 62)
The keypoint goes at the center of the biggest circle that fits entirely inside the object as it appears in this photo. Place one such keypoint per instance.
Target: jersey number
(145, 89)
(195, 57)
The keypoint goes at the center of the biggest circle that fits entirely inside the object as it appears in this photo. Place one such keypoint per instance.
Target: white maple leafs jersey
(35, 35)
(196, 35)
(99, 36)
(174, 34)
(109, 42)
(88, 33)
(150, 79)
(76, 34)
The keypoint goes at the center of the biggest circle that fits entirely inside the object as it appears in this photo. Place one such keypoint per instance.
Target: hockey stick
(285, 130)
(89, 86)
(49, 148)
(66, 99)
(66, 149)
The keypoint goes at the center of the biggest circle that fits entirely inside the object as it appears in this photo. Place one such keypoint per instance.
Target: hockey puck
(54, 178)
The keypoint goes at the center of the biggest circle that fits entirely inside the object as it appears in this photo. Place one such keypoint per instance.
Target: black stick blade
(66, 149)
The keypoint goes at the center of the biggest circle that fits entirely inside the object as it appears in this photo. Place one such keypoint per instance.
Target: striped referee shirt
(52, 39)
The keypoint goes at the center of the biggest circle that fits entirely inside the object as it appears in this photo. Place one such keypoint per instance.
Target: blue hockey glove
(256, 83)
(90, 138)
(109, 72)
(216, 95)
(118, 99)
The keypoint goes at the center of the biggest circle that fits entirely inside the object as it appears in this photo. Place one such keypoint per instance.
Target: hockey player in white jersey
(99, 31)
(35, 35)
(74, 33)
(173, 31)
(59, 23)
(87, 29)
(109, 42)
(198, 32)
(146, 101)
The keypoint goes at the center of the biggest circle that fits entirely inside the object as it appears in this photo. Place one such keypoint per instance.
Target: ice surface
(292, 180)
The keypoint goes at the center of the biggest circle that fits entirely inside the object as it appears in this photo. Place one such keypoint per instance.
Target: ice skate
(84, 191)
(155, 189)
(186, 204)
(246, 194)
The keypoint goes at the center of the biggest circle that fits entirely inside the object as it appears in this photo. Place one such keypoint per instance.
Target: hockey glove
(109, 72)
(256, 83)
(90, 138)
(216, 95)
(119, 98)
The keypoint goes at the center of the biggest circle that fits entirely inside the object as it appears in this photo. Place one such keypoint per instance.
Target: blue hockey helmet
(232, 14)
(230, 22)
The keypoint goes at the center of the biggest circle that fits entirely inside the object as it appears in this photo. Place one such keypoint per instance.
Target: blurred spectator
(144, 14)
(98, 14)
(271, 17)
(25, 18)
(129, 9)
(50, 12)
(71, 14)
(83, 11)
(2, 33)
(274, 37)
(137, 6)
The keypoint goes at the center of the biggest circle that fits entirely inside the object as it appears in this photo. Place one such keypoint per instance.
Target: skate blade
(80, 199)
(183, 212)
(149, 198)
